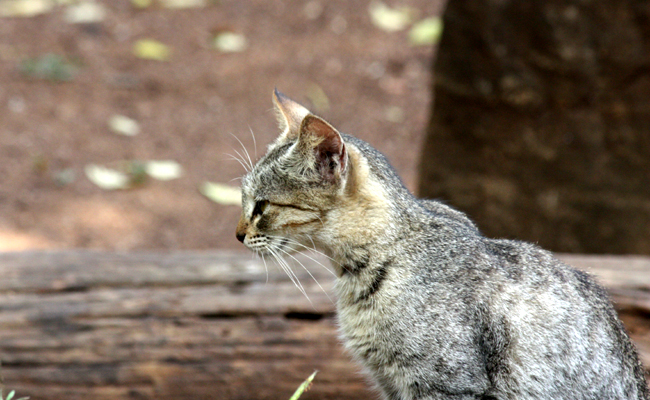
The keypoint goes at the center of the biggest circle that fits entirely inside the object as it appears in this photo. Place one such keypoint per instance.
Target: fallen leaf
(230, 42)
(49, 66)
(303, 386)
(394, 114)
(24, 8)
(124, 125)
(64, 177)
(163, 170)
(220, 193)
(426, 32)
(390, 19)
(141, 3)
(318, 97)
(313, 9)
(136, 171)
(86, 12)
(106, 178)
(183, 3)
(150, 49)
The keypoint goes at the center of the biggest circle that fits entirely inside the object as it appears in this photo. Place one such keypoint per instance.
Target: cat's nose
(240, 236)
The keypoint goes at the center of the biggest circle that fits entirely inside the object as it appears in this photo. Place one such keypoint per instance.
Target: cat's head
(287, 195)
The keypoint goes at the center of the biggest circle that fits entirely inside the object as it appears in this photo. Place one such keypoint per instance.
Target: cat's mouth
(270, 245)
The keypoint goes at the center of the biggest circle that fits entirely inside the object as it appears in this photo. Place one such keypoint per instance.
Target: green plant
(10, 396)
(304, 386)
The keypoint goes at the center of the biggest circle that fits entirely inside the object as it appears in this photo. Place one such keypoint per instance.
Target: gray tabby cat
(430, 308)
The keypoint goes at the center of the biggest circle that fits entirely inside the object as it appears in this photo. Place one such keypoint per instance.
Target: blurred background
(114, 115)
(124, 125)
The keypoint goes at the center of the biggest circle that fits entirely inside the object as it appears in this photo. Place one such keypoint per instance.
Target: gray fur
(430, 307)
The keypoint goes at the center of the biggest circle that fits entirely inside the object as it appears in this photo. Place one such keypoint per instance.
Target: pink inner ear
(330, 152)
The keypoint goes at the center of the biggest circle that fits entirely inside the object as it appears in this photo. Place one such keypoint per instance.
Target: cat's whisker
(310, 274)
(250, 162)
(233, 158)
(321, 221)
(265, 269)
(292, 275)
(254, 141)
(310, 249)
(247, 161)
(258, 256)
(314, 250)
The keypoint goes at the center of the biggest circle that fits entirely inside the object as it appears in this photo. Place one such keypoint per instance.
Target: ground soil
(378, 87)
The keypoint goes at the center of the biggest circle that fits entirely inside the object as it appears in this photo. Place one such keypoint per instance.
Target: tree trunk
(540, 129)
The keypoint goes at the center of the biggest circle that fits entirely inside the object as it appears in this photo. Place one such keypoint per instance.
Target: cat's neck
(365, 224)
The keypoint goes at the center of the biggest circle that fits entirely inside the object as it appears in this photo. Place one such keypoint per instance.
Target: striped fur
(428, 306)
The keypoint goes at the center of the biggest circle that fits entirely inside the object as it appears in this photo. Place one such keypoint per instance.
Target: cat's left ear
(328, 147)
(289, 114)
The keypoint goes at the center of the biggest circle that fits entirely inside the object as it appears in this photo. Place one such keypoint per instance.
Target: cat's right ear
(289, 114)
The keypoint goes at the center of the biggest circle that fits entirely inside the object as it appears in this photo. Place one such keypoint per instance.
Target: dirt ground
(376, 83)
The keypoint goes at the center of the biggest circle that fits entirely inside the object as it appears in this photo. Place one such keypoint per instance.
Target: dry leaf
(183, 3)
(318, 97)
(230, 42)
(124, 125)
(150, 49)
(24, 8)
(86, 12)
(222, 194)
(394, 114)
(141, 3)
(390, 19)
(106, 178)
(163, 170)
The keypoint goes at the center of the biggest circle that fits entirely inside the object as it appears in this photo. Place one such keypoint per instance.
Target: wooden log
(83, 324)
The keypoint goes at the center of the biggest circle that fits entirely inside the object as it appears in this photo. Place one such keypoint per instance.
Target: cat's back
(542, 328)
(555, 326)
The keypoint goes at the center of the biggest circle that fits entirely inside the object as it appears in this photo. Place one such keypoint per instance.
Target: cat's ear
(327, 145)
(289, 114)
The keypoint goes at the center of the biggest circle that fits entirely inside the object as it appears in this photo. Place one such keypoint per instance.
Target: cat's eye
(260, 206)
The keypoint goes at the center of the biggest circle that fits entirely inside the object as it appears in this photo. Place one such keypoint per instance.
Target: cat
(427, 305)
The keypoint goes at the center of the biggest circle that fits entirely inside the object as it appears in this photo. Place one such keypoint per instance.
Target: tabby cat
(430, 307)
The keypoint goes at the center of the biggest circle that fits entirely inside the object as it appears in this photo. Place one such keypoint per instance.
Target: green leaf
(426, 32)
(48, 66)
(11, 395)
(304, 386)
(150, 49)
(222, 194)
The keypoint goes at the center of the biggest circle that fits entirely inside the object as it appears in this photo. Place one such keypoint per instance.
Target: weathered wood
(82, 324)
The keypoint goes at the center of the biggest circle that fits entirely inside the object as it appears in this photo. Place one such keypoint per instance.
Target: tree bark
(540, 129)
